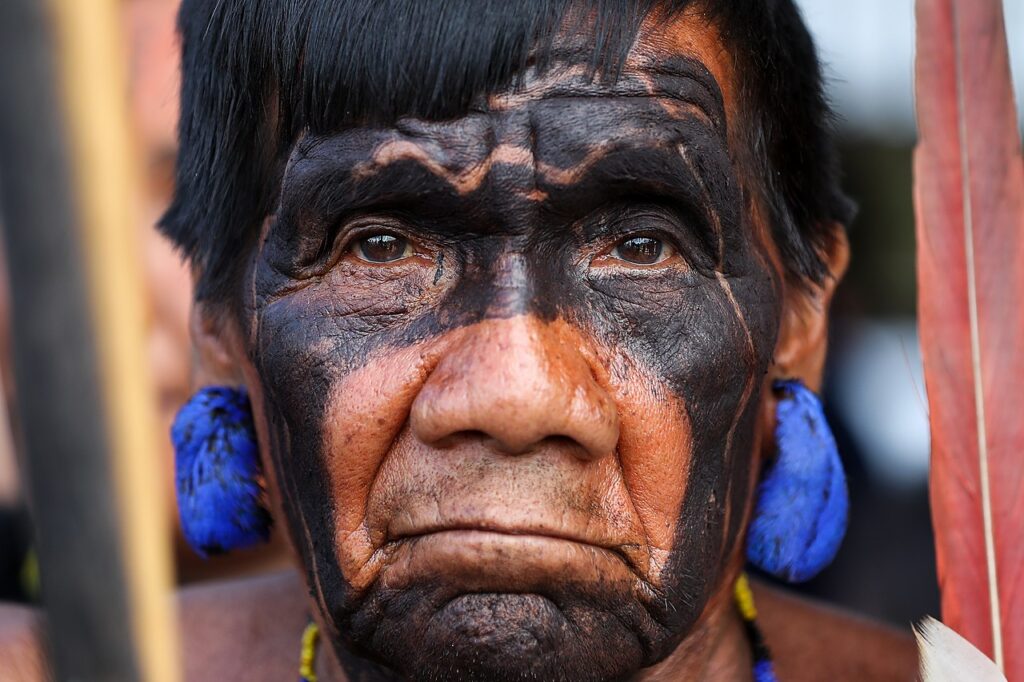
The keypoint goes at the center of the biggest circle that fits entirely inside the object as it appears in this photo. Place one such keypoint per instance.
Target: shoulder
(811, 641)
(21, 644)
(232, 629)
(248, 629)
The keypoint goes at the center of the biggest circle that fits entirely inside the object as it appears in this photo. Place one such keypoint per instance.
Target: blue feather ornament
(802, 503)
(217, 472)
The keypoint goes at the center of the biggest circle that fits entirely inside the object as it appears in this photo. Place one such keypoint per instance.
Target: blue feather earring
(802, 502)
(217, 472)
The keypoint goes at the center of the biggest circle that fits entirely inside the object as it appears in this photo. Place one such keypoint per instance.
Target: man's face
(507, 369)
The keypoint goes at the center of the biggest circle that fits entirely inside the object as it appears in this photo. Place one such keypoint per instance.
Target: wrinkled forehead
(556, 133)
(677, 64)
(563, 117)
(667, 52)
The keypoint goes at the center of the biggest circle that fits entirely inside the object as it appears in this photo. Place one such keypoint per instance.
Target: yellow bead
(745, 598)
(310, 637)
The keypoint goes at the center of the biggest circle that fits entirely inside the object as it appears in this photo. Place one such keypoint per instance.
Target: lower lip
(489, 561)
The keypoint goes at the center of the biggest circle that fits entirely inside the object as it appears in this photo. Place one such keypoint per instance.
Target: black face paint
(440, 268)
(514, 199)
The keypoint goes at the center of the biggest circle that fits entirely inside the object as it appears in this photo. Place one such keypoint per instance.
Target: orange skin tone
(516, 456)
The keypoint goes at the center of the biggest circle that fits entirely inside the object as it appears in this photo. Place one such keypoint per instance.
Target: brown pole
(90, 49)
(78, 326)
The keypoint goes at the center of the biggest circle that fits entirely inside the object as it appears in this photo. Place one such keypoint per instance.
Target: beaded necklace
(742, 594)
(764, 671)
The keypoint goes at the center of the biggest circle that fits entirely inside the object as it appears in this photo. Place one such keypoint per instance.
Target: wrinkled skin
(524, 448)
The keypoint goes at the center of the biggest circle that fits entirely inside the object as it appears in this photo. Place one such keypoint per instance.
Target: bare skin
(22, 654)
(250, 630)
(511, 376)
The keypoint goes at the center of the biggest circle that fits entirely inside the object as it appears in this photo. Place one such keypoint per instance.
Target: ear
(803, 334)
(216, 344)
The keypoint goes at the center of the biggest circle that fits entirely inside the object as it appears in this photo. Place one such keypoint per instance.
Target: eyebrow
(634, 172)
(660, 173)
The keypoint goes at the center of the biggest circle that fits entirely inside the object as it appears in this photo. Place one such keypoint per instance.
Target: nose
(517, 381)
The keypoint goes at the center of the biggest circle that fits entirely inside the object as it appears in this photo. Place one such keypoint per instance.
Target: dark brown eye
(382, 248)
(641, 250)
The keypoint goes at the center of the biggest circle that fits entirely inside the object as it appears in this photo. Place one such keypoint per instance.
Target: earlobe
(218, 477)
(804, 473)
(215, 347)
(803, 333)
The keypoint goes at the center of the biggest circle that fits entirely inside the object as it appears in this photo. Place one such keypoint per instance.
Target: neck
(717, 650)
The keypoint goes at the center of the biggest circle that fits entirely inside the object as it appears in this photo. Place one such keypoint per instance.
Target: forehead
(690, 34)
(559, 120)
(667, 52)
(674, 55)
(670, 104)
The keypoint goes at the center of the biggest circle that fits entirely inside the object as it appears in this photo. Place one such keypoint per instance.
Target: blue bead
(802, 503)
(764, 672)
(217, 472)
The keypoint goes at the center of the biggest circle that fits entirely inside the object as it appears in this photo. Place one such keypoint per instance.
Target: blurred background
(874, 388)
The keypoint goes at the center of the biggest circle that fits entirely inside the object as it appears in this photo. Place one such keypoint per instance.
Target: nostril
(562, 441)
(515, 447)
(454, 439)
(566, 444)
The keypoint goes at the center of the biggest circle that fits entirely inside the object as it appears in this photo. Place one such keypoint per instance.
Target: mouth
(477, 530)
(484, 558)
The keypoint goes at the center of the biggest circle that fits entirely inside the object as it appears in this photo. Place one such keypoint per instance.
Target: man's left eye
(382, 248)
(642, 251)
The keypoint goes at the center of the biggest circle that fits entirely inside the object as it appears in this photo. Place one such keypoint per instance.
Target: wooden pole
(65, 463)
(83, 391)
(90, 51)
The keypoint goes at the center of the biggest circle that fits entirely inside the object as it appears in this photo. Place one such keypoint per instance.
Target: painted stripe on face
(733, 517)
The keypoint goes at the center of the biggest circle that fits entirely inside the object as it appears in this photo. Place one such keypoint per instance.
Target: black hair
(256, 73)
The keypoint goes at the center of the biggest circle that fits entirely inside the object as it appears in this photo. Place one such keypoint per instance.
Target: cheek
(722, 384)
(655, 447)
(689, 432)
(317, 390)
(366, 413)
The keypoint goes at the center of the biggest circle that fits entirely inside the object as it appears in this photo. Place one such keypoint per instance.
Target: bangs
(257, 74)
(337, 63)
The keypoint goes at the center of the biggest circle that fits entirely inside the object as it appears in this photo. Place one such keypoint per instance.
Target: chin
(482, 605)
(424, 634)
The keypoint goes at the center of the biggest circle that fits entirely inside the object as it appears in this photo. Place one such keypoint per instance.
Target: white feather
(948, 657)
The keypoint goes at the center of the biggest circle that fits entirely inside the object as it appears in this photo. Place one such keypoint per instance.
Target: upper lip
(620, 549)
